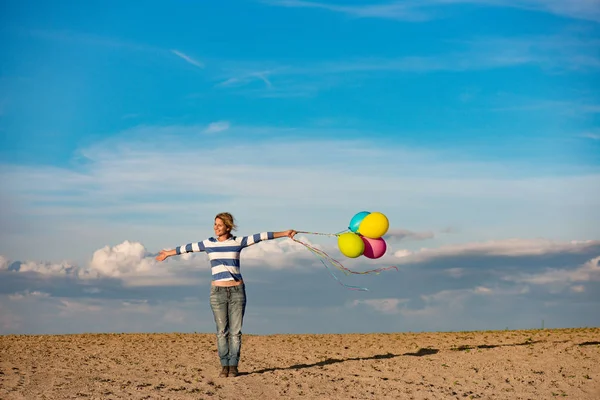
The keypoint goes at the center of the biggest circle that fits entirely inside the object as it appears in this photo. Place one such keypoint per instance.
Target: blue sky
(472, 124)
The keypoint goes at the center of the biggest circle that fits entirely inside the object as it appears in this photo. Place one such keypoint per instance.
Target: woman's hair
(228, 220)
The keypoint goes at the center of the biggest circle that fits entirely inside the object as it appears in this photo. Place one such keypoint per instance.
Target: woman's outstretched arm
(289, 233)
(186, 248)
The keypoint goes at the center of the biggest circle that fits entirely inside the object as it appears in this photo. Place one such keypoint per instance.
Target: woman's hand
(290, 233)
(163, 255)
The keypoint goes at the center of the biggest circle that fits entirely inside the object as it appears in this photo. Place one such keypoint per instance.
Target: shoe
(224, 372)
(233, 371)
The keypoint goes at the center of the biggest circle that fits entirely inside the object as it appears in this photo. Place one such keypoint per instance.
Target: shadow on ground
(329, 361)
(493, 346)
(420, 353)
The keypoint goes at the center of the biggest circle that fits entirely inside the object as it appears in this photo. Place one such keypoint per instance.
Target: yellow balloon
(351, 245)
(374, 225)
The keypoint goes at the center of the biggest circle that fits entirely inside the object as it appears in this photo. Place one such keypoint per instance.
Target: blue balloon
(356, 220)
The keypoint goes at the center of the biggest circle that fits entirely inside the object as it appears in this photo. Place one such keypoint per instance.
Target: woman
(228, 292)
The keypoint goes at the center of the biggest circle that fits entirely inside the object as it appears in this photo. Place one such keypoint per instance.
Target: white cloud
(568, 108)
(126, 187)
(559, 51)
(588, 272)
(245, 78)
(384, 306)
(139, 306)
(423, 10)
(563, 51)
(59, 315)
(453, 272)
(231, 82)
(444, 302)
(127, 261)
(578, 288)
(131, 263)
(70, 308)
(171, 279)
(27, 294)
(127, 169)
(263, 76)
(123, 259)
(405, 11)
(48, 268)
(218, 126)
(276, 254)
(590, 135)
(482, 290)
(449, 298)
(402, 253)
(4, 262)
(422, 299)
(508, 247)
(434, 304)
(580, 9)
(556, 53)
(174, 316)
(188, 58)
(101, 41)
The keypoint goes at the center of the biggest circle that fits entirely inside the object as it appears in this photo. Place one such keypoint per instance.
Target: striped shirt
(225, 256)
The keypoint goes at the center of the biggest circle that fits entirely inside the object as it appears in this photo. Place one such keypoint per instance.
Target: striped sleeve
(257, 237)
(191, 248)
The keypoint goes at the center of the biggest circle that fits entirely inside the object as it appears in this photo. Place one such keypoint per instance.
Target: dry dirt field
(535, 364)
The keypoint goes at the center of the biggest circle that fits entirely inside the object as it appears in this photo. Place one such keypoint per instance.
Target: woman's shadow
(420, 353)
(329, 361)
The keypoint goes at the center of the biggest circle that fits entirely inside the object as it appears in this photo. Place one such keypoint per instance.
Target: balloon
(356, 220)
(351, 245)
(374, 248)
(374, 225)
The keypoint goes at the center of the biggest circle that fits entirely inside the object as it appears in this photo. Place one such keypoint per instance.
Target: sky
(473, 125)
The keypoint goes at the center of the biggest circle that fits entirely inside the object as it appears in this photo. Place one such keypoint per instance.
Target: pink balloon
(374, 248)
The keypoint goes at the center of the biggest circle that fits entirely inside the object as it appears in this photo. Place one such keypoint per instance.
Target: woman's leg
(237, 308)
(219, 305)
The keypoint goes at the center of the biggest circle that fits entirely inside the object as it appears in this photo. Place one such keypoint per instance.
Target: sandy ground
(536, 364)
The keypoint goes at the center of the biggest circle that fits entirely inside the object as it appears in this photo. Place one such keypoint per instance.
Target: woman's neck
(223, 238)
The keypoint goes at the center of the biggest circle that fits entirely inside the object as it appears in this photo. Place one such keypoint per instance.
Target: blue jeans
(228, 306)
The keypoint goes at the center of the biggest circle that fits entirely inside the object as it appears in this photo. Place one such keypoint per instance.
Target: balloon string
(324, 234)
(338, 265)
(362, 289)
(321, 254)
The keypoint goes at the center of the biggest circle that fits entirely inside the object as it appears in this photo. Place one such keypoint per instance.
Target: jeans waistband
(228, 288)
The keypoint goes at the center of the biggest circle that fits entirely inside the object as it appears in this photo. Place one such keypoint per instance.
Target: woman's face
(220, 228)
